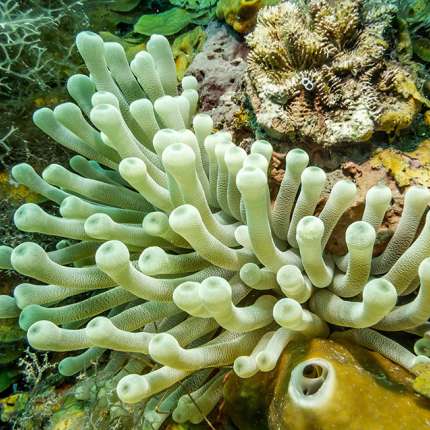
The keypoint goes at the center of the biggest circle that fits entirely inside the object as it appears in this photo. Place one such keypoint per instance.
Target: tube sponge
(178, 262)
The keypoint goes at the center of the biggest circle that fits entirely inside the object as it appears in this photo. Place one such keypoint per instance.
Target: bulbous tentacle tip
(265, 361)
(417, 196)
(312, 384)
(132, 388)
(105, 115)
(380, 293)
(424, 270)
(421, 359)
(190, 83)
(27, 254)
(43, 335)
(250, 274)
(26, 217)
(164, 348)
(132, 168)
(99, 328)
(62, 111)
(141, 61)
(177, 157)
(186, 295)
(104, 97)
(112, 255)
(8, 307)
(251, 181)
(215, 292)
(344, 192)
(313, 176)
(184, 217)
(70, 206)
(289, 276)
(22, 295)
(245, 366)
(86, 39)
(256, 160)
(379, 194)
(360, 234)
(262, 147)
(5, 257)
(234, 158)
(156, 223)
(80, 82)
(152, 260)
(97, 225)
(202, 120)
(21, 171)
(52, 172)
(288, 313)
(179, 416)
(42, 116)
(296, 160)
(30, 315)
(309, 228)
(422, 347)
(157, 40)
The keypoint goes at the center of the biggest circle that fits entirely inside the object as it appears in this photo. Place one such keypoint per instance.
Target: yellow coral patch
(185, 48)
(407, 88)
(407, 168)
(241, 14)
(427, 118)
(18, 193)
(422, 382)
(12, 405)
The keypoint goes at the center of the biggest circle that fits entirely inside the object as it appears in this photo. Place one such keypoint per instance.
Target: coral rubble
(173, 258)
(320, 72)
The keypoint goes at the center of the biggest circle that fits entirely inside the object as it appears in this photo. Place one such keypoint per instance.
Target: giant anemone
(174, 258)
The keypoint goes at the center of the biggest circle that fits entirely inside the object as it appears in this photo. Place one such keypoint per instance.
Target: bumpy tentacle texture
(174, 258)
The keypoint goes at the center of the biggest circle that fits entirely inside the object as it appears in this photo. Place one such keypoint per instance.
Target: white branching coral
(23, 52)
(173, 256)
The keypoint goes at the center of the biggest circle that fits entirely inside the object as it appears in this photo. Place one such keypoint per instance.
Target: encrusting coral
(241, 14)
(173, 257)
(319, 72)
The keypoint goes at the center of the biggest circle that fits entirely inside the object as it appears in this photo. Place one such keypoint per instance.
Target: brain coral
(174, 259)
(319, 71)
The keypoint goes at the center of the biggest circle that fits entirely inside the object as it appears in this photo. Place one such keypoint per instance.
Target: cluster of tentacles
(174, 257)
(318, 70)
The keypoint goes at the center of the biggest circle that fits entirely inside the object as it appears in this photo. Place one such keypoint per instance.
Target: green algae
(166, 23)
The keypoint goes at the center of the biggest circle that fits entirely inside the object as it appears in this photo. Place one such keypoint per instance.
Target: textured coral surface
(320, 71)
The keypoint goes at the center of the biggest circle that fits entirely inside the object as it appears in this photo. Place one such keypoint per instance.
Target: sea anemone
(175, 259)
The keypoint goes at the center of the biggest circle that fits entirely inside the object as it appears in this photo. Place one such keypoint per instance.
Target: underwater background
(346, 81)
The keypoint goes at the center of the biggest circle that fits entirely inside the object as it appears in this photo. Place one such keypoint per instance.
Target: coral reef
(320, 72)
(173, 258)
(363, 379)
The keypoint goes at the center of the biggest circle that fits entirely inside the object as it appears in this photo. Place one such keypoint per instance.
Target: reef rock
(219, 69)
(320, 73)
(347, 387)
